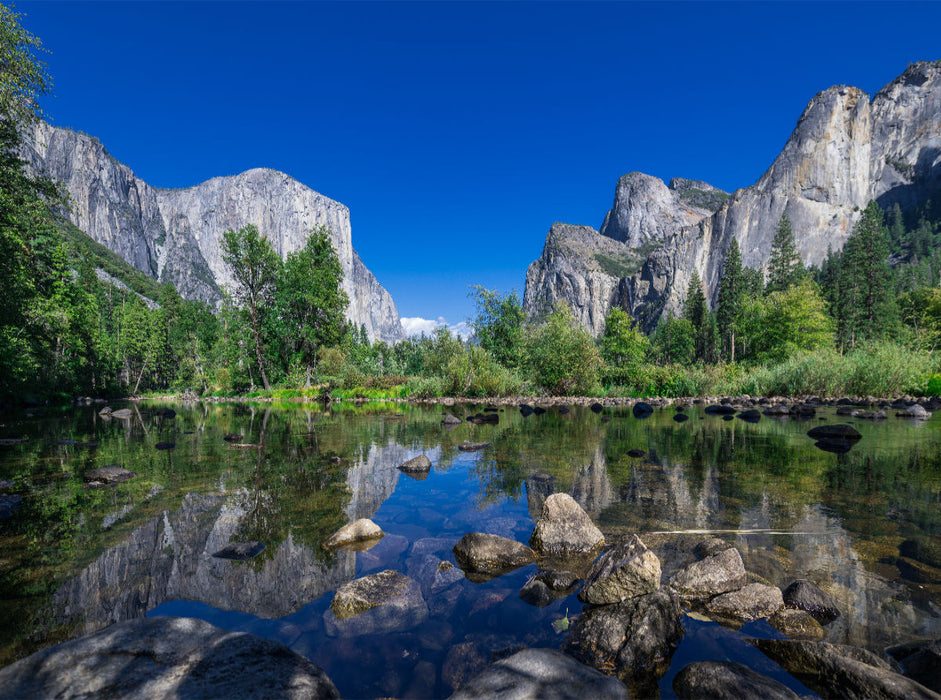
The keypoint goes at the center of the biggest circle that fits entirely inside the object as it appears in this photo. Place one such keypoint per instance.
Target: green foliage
(731, 299)
(623, 348)
(785, 266)
(498, 326)
(705, 199)
(786, 322)
(562, 356)
(674, 341)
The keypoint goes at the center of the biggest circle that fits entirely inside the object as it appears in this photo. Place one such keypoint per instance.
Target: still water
(75, 559)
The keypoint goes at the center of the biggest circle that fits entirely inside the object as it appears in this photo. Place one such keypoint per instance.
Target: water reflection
(81, 559)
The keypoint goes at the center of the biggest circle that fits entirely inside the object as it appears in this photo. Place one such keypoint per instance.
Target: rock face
(163, 657)
(844, 151)
(176, 235)
(564, 529)
(534, 674)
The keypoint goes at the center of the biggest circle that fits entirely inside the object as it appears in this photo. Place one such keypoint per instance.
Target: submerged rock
(642, 410)
(835, 670)
(834, 431)
(716, 574)
(536, 674)
(751, 602)
(361, 530)
(680, 417)
(564, 529)
(796, 624)
(625, 571)
(473, 446)
(634, 640)
(490, 555)
(804, 595)
(707, 548)
(110, 474)
(240, 551)
(750, 416)
(727, 680)
(536, 593)
(381, 603)
(163, 657)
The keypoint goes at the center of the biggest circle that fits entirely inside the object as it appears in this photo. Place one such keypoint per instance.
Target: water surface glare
(864, 525)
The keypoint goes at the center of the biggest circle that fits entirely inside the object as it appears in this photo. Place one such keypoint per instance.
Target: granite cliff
(176, 235)
(845, 150)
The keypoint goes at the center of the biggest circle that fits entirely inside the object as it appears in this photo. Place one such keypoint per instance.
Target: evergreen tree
(784, 264)
(896, 228)
(866, 307)
(729, 305)
(624, 347)
(674, 341)
(697, 313)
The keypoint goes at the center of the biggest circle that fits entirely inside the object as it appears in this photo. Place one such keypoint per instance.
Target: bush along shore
(636, 590)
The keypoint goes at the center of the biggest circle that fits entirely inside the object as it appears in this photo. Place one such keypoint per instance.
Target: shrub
(561, 356)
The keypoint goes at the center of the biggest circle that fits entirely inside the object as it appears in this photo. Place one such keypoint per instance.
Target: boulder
(835, 670)
(796, 624)
(727, 680)
(416, 465)
(752, 602)
(834, 431)
(680, 417)
(642, 410)
(914, 411)
(750, 416)
(778, 411)
(110, 474)
(376, 604)
(536, 593)
(720, 410)
(922, 663)
(526, 410)
(122, 413)
(804, 595)
(871, 415)
(361, 530)
(556, 580)
(564, 529)
(625, 571)
(490, 555)
(634, 640)
(707, 548)
(596, 407)
(240, 551)
(163, 657)
(451, 419)
(535, 674)
(716, 574)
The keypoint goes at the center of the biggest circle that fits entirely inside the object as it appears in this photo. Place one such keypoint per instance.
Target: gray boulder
(358, 531)
(707, 548)
(625, 571)
(451, 419)
(727, 680)
(376, 604)
(540, 674)
(468, 446)
(804, 595)
(752, 602)
(163, 657)
(489, 556)
(835, 670)
(915, 411)
(716, 574)
(416, 465)
(564, 529)
(634, 640)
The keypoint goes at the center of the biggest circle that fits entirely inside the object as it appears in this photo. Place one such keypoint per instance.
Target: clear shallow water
(76, 559)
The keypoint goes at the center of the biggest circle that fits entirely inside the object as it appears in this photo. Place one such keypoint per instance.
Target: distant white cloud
(416, 326)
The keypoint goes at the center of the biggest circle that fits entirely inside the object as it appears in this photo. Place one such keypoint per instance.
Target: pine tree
(784, 264)
(729, 305)
(697, 313)
(866, 307)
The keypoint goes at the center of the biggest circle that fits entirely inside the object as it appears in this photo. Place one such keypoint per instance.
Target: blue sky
(457, 133)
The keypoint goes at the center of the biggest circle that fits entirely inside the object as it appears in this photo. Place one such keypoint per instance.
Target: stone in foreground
(752, 602)
(362, 530)
(633, 640)
(716, 574)
(162, 657)
(362, 594)
(490, 555)
(626, 571)
(835, 670)
(726, 680)
(536, 674)
(797, 624)
(564, 529)
(804, 595)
